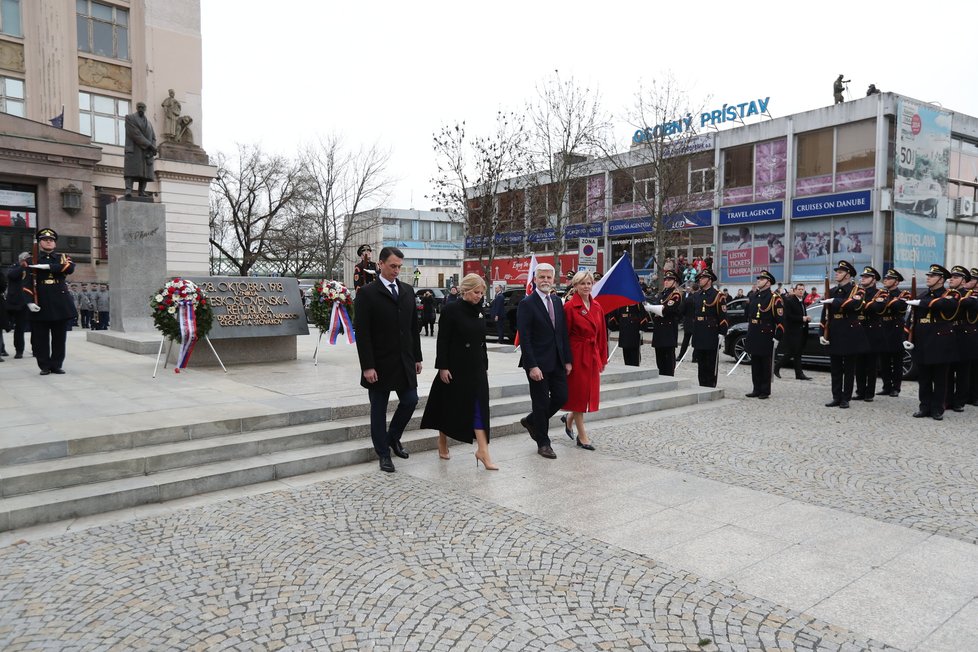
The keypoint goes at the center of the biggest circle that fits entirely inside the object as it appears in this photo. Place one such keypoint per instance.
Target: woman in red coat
(589, 350)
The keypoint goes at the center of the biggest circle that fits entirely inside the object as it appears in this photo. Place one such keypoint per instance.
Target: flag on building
(531, 286)
(58, 120)
(619, 287)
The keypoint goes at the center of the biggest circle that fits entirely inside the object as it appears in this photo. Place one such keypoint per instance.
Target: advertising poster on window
(818, 244)
(747, 249)
(18, 219)
(922, 157)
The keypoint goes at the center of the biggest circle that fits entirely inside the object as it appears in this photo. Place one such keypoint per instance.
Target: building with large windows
(431, 241)
(885, 180)
(70, 71)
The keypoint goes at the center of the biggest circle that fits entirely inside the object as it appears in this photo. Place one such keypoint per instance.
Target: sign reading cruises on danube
(258, 306)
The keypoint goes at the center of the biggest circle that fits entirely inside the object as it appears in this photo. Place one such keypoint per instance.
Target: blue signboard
(764, 212)
(689, 220)
(593, 230)
(860, 201)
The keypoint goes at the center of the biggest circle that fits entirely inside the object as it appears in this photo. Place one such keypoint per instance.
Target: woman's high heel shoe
(587, 447)
(489, 466)
(567, 430)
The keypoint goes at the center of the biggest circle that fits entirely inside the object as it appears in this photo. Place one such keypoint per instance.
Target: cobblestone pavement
(372, 563)
(873, 459)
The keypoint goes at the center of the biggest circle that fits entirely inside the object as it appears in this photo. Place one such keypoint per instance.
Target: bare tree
(566, 127)
(480, 181)
(251, 197)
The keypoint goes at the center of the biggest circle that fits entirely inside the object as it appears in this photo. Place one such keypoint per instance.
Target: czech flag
(531, 286)
(619, 287)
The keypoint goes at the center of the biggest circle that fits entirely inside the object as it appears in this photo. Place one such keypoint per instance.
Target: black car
(813, 353)
(511, 299)
(737, 311)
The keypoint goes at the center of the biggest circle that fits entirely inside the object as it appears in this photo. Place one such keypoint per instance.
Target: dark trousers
(665, 360)
(407, 400)
(501, 329)
(843, 376)
(86, 318)
(866, 375)
(932, 381)
(687, 336)
(20, 322)
(959, 384)
(760, 374)
(706, 367)
(48, 342)
(786, 361)
(547, 396)
(891, 371)
(633, 357)
(103, 320)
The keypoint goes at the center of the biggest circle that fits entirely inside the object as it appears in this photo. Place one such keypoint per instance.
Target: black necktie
(394, 290)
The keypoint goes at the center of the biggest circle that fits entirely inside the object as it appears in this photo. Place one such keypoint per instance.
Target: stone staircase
(49, 482)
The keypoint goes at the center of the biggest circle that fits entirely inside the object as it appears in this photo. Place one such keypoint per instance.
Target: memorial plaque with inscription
(254, 306)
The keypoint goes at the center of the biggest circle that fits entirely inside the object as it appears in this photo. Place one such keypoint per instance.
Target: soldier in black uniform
(890, 304)
(959, 376)
(709, 326)
(842, 332)
(666, 309)
(49, 303)
(970, 316)
(765, 327)
(364, 271)
(866, 362)
(932, 341)
(630, 320)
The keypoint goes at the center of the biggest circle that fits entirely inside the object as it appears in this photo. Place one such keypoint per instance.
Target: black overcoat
(630, 320)
(892, 308)
(52, 289)
(461, 349)
(932, 327)
(841, 323)
(709, 309)
(665, 329)
(388, 337)
(795, 327)
(765, 315)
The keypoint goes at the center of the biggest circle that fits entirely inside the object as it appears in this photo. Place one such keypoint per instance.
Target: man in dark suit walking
(795, 332)
(498, 312)
(546, 356)
(389, 347)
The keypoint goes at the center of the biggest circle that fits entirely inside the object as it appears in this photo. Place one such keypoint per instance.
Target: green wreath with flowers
(166, 302)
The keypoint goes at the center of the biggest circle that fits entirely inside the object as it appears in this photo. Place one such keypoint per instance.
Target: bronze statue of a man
(140, 150)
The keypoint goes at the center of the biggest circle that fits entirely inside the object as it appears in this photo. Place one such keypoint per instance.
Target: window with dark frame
(103, 29)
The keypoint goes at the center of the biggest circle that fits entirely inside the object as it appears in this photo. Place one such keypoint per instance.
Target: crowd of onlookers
(92, 304)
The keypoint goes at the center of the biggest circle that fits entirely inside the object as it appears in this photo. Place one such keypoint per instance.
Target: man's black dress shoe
(587, 447)
(920, 414)
(858, 397)
(844, 405)
(894, 394)
(399, 450)
(18, 356)
(45, 372)
(803, 377)
(4, 354)
(868, 399)
(833, 403)
(752, 395)
(386, 465)
(939, 416)
(763, 396)
(57, 371)
(546, 451)
(529, 428)
(957, 408)
(777, 373)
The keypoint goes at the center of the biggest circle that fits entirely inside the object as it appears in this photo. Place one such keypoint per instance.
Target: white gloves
(908, 345)
(823, 341)
(913, 302)
(826, 301)
(41, 266)
(33, 307)
(656, 310)
(720, 341)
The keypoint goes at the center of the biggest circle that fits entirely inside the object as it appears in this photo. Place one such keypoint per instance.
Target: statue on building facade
(171, 117)
(140, 150)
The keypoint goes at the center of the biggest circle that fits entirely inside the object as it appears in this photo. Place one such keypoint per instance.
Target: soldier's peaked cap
(708, 273)
(670, 275)
(363, 248)
(870, 271)
(897, 276)
(47, 233)
(974, 272)
(767, 275)
(937, 270)
(845, 266)
(961, 270)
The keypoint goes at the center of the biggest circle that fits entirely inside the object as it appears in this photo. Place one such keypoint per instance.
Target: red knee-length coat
(589, 351)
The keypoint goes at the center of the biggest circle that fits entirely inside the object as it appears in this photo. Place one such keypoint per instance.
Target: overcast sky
(280, 73)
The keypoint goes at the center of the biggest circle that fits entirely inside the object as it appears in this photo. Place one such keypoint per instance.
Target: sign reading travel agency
(762, 212)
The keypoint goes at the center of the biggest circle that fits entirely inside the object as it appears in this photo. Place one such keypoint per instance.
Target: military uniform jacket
(765, 315)
(84, 300)
(842, 320)
(890, 307)
(873, 320)
(101, 301)
(709, 318)
(52, 291)
(967, 325)
(361, 277)
(932, 327)
(665, 329)
(630, 320)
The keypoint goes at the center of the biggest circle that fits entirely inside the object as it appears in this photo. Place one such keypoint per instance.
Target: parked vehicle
(512, 298)
(813, 354)
(439, 294)
(737, 311)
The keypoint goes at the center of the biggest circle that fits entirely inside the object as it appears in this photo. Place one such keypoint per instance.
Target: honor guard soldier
(890, 303)
(959, 378)
(842, 332)
(667, 311)
(866, 362)
(49, 302)
(629, 320)
(364, 271)
(709, 327)
(933, 341)
(765, 328)
(969, 313)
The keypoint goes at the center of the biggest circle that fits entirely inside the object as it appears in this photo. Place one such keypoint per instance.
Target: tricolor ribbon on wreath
(188, 333)
(339, 322)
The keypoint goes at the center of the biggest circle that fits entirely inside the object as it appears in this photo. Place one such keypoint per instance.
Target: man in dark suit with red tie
(389, 348)
(546, 356)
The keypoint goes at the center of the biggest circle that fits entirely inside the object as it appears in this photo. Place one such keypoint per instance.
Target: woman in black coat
(458, 403)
